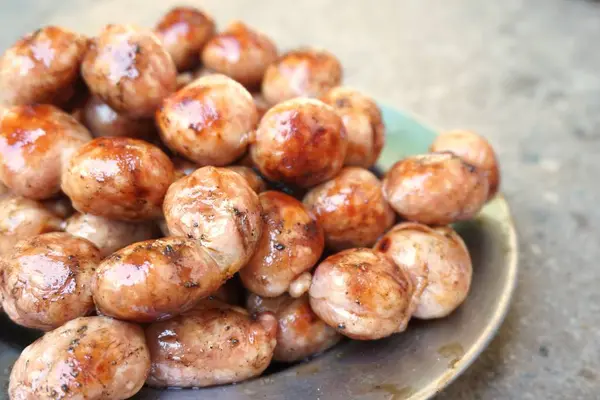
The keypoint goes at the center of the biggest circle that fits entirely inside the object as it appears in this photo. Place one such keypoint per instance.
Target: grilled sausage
(214, 217)
(46, 280)
(42, 67)
(291, 243)
(102, 120)
(92, 358)
(22, 218)
(475, 150)
(256, 182)
(129, 69)
(218, 208)
(362, 294)
(209, 121)
(435, 188)
(118, 178)
(301, 142)
(184, 31)
(438, 263)
(155, 279)
(301, 73)
(36, 142)
(213, 344)
(301, 333)
(363, 122)
(351, 209)
(241, 53)
(108, 235)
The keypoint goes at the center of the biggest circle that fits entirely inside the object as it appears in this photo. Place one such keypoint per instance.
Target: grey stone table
(524, 73)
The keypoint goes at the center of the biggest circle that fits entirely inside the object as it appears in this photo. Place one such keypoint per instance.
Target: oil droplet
(453, 352)
(397, 393)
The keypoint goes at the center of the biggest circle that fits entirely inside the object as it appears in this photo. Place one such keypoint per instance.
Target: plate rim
(497, 319)
(490, 332)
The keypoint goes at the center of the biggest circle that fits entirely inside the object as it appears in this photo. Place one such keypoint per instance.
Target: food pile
(183, 206)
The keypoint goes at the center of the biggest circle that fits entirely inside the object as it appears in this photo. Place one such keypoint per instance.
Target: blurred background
(524, 74)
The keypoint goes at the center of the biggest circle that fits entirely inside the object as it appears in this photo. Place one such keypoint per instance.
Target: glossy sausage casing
(351, 209)
(241, 53)
(155, 279)
(301, 142)
(216, 207)
(36, 143)
(184, 31)
(129, 69)
(21, 218)
(475, 150)
(435, 188)
(363, 122)
(102, 120)
(291, 243)
(46, 280)
(108, 235)
(92, 358)
(209, 121)
(42, 67)
(301, 73)
(118, 178)
(301, 333)
(437, 261)
(362, 294)
(213, 344)
(256, 182)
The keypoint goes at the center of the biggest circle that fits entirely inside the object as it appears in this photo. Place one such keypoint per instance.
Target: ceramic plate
(412, 365)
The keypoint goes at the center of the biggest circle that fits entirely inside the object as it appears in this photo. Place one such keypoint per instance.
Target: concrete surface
(526, 74)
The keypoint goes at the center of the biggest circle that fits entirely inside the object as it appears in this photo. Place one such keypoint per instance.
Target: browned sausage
(351, 209)
(218, 208)
(91, 358)
(118, 178)
(46, 280)
(215, 219)
(42, 67)
(301, 73)
(437, 261)
(102, 120)
(213, 344)
(475, 150)
(363, 122)
(129, 69)
(184, 31)
(241, 53)
(291, 243)
(36, 142)
(301, 333)
(209, 121)
(362, 294)
(435, 188)
(256, 182)
(155, 279)
(22, 218)
(107, 234)
(301, 142)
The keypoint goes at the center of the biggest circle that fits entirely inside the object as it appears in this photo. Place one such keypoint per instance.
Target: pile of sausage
(182, 206)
